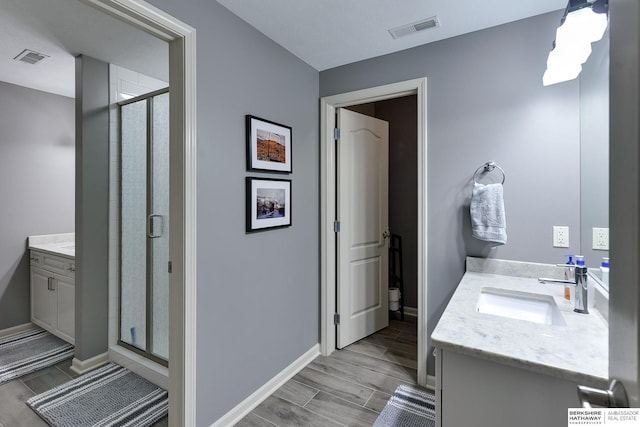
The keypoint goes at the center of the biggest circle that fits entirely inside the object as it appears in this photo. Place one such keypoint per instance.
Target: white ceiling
(63, 29)
(329, 33)
(324, 34)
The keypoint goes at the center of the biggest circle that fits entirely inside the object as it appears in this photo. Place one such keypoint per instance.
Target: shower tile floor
(14, 412)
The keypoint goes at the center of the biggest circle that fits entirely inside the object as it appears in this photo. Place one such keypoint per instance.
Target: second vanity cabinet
(53, 294)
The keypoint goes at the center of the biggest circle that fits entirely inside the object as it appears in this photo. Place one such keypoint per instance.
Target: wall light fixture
(583, 23)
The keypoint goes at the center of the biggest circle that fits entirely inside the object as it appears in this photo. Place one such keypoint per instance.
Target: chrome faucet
(580, 283)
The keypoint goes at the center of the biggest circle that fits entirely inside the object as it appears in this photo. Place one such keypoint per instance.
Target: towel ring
(489, 167)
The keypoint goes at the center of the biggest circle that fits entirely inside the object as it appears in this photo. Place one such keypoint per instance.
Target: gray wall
(92, 206)
(486, 102)
(36, 185)
(594, 145)
(258, 294)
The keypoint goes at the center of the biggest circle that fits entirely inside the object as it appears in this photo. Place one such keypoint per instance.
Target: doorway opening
(329, 266)
(397, 341)
(182, 194)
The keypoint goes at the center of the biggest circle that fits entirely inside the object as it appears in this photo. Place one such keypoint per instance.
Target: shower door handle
(153, 230)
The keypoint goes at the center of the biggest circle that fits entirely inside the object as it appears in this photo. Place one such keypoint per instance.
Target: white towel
(488, 221)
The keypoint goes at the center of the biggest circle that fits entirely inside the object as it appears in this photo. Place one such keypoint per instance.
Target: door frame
(328, 106)
(624, 196)
(182, 194)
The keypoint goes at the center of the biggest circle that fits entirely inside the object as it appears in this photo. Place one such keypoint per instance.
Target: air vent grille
(405, 30)
(30, 56)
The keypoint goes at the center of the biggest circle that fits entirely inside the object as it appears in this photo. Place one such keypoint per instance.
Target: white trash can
(394, 299)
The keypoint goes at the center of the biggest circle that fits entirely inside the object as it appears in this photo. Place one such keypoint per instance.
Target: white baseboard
(83, 366)
(16, 329)
(246, 406)
(411, 311)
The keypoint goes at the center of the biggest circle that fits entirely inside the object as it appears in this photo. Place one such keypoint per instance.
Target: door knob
(386, 234)
(614, 397)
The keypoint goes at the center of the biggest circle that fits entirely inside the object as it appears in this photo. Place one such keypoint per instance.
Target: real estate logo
(603, 417)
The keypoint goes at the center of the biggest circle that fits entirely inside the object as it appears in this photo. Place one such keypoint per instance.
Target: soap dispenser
(580, 297)
(568, 275)
(604, 270)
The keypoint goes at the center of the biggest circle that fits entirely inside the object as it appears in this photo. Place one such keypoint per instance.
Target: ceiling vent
(405, 30)
(30, 57)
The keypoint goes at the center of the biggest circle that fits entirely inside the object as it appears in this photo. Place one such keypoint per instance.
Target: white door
(362, 209)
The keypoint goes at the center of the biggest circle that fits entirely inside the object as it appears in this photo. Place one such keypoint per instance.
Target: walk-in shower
(144, 225)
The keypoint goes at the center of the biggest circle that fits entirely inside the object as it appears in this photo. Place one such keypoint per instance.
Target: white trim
(182, 298)
(247, 405)
(411, 311)
(147, 369)
(431, 382)
(328, 107)
(83, 366)
(16, 329)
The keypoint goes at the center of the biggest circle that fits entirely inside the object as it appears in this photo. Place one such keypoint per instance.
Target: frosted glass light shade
(561, 73)
(584, 25)
(573, 44)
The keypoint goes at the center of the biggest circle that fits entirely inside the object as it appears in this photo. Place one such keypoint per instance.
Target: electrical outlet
(560, 236)
(601, 239)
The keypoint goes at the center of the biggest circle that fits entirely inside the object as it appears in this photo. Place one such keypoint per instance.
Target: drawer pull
(35, 259)
(71, 268)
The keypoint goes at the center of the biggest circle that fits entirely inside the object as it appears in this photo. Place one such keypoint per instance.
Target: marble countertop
(55, 244)
(578, 351)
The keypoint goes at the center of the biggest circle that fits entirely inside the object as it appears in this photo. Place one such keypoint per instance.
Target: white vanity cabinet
(53, 293)
(478, 392)
(507, 368)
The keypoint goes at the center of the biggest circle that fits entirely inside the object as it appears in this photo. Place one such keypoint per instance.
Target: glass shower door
(144, 225)
(159, 223)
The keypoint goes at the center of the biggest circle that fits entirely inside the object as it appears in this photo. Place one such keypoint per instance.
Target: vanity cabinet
(507, 368)
(473, 391)
(53, 294)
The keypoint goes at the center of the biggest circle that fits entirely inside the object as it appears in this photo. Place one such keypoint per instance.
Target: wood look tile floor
(348, 388)
(14, 412)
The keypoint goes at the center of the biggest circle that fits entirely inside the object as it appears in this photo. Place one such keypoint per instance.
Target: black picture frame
(268, 204)
(269, 146)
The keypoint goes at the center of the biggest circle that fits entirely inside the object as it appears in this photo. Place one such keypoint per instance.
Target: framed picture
(268, 204)
(268, 146)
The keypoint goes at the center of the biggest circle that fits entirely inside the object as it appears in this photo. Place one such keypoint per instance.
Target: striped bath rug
(108, 396)
(408, 407)
(28, 351)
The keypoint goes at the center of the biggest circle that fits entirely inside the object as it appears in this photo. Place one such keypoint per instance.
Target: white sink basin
(527, 306)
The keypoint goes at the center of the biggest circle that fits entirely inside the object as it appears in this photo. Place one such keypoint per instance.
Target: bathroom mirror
(594, 155)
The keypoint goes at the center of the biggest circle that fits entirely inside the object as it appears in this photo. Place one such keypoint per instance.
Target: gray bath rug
(408, 407)
(108, 396)
(29, 351)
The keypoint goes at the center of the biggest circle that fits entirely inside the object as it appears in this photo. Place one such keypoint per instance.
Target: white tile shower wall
(134, 84)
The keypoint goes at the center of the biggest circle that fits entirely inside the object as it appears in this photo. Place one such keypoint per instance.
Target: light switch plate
(560, 236)
(600, 239)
